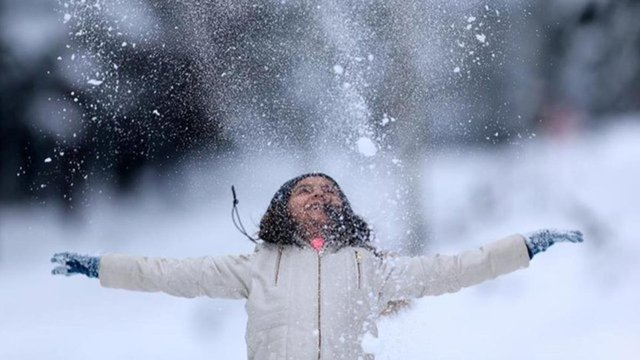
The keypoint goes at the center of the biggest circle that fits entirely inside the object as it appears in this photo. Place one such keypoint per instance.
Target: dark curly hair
(347, 229)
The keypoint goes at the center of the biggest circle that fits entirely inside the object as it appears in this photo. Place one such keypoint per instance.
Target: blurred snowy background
(123, 125)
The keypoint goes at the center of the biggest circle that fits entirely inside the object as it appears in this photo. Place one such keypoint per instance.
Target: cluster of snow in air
(366, 146)
(372, 344)
(354, 53)
(371, 80)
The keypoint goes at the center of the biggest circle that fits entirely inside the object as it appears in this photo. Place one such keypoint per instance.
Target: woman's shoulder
(366, 252)
(264, 247)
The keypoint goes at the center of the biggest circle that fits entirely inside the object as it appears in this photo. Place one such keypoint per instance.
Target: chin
(319, 222)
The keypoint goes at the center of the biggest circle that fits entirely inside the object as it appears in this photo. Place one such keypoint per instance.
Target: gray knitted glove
(71, 264)
(541, 240)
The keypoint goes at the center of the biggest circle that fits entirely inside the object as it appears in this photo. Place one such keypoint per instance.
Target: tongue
(317, 243)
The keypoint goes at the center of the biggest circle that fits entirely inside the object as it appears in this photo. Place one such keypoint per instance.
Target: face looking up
(307, 203)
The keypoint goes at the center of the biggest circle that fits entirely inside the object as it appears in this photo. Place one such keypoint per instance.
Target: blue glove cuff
(538, 241)
(92, 267)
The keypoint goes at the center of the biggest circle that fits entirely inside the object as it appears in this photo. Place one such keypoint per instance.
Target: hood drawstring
(235, 217)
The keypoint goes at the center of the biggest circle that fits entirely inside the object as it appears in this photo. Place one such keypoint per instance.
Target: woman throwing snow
(314, 285)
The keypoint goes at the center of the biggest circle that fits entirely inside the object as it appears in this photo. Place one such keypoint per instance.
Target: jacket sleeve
(216, 277)
(412, 277)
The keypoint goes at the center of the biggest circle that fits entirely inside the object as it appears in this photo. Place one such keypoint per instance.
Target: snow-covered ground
(573, 302)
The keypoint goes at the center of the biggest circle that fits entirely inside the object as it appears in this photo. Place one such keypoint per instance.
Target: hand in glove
(540, 240)
(71, 264)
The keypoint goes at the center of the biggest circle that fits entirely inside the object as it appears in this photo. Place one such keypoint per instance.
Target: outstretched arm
(412, 277)
(222, 276)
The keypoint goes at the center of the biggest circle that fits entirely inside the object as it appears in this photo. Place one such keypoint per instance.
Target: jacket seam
(278, 260)
(358, 268)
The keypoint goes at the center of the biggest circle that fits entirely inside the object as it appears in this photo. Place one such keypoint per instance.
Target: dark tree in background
(97, 108)
(583, 63)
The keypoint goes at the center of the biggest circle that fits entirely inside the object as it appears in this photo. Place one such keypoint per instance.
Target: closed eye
(330, 189)
(303, 189)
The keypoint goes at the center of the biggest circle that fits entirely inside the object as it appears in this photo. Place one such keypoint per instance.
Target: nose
(318, 191)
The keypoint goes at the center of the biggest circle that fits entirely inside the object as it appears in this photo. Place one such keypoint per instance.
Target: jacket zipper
(358, 267)
(319, 308)
(278, 265)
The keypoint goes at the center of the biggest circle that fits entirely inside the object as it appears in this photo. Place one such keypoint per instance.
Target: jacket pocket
(277, 270)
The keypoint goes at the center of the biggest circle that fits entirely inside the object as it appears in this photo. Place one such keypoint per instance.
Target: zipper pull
(359, 268)
(358, 256)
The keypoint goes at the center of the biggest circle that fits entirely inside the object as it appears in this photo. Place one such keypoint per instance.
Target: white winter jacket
(305, 305)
